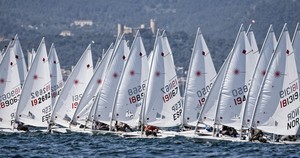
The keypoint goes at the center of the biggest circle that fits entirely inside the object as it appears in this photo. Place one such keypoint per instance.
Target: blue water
(83, 145)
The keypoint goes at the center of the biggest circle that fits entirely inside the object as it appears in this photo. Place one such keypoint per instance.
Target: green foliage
(219, 21)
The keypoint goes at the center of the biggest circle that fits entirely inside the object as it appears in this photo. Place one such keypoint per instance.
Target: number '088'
(239, 91)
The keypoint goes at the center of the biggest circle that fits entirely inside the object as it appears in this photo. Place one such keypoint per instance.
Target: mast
(253, 75)
(226, 70)
(188, 78)
(147, 86)
(119, 83)
(261, 87)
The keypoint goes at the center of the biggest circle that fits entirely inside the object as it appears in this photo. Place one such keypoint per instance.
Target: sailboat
(71, 94)
(20, 59)
(163, 103)
(277, 107)
(10, 90)
(296, 46)
(267, 51)
(55, 74)
(200, 78)
(34, 106)
(231, 87)
(162, 106)
(132, 85)
(104, 106)
(235, 83)
(84, 108)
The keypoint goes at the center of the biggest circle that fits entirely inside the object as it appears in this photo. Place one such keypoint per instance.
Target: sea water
(37, 144)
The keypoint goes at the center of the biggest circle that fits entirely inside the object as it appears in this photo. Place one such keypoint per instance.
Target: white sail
(74, 87)
(84, 107)
(108, 91)
(235, 83)
(10, 89)
(163, 103)
(55, 74)
(30, 57)
(132, 85)
(252, 57)
(102, 56)
(260, 71)
(208, 112)
(150, 57)
(252, 41)
(1, 56)
(277, 106)
(20, 59)
(35, 102)
(296, 46)
(201, 76)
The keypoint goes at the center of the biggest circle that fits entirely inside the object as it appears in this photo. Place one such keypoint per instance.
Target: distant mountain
(219, 21)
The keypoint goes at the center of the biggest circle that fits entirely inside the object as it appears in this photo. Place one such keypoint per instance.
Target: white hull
(59, 130)
(223, 138)
(229, 139)
(286, 142)
(191, 133)
(80, 130)
(104, 132)
(11, 131)
(160, 134)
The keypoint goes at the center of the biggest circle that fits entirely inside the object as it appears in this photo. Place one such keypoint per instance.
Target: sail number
(56, 89)
(288, 95)
(170, 90)
(136, 94)
(11, 94)
(290, 99)
(40, 99)
(47, 111)
(136, 90)
(9, 102)
(41, 92)
(239, 100)
(204, 91)
(170, 95)
(177, 108)
(239, 91)
(10, 98)
(136, 98)
(201, 101)
(76, 99)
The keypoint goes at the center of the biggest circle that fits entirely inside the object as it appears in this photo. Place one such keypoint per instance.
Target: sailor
(288, 138)
(229, 131)
(151, 130)
(125, 127)
(257, 135)
(22, 127)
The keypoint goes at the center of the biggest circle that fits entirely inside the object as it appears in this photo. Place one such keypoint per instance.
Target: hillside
(218, 19)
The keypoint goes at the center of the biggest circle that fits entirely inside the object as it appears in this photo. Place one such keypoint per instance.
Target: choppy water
(83, 145)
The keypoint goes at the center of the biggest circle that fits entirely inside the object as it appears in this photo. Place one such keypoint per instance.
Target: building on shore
(123, 29)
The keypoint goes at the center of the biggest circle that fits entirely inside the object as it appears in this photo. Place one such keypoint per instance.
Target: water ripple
(81, 145)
